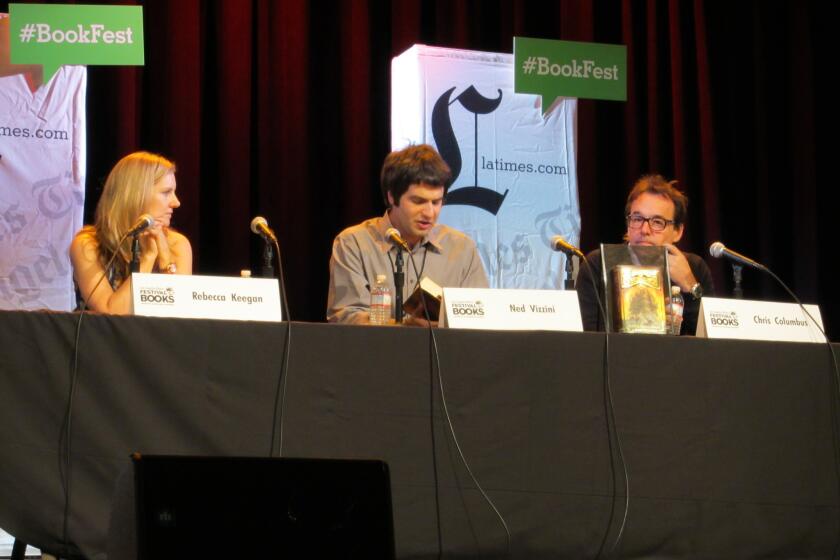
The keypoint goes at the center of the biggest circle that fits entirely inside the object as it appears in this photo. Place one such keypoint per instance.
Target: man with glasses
(655, 214)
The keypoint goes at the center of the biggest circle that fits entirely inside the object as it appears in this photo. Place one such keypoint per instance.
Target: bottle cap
(675, 290)
(380, 277)
(245, 273)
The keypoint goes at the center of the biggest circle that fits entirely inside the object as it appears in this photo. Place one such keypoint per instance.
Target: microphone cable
(436, 364)
(65, 431)
(718, 250)
(280, 392)
(835, 382)
(609, 413)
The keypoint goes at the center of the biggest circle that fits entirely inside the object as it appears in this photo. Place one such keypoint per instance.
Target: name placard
(511, 310)
(206, 297)
(758, 320)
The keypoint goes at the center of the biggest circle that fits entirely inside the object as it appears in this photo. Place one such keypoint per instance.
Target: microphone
(260, 226)
(142, 223)
(718, 250)
(560, 244)
(394, 236)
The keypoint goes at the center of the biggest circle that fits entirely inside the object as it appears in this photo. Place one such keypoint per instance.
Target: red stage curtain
(281, 108)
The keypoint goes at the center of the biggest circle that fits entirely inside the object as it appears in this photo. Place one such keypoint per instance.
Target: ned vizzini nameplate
(639, 299)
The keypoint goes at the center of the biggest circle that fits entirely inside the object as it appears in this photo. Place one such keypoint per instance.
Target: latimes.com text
(40, 133)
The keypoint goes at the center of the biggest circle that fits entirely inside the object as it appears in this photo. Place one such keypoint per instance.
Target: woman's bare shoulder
(85, 242)
(175, 238)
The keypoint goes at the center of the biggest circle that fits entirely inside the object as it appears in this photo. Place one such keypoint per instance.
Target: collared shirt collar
(432, 238)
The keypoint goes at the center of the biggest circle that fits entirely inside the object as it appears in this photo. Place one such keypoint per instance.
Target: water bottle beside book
(677, 306)
(380, 301)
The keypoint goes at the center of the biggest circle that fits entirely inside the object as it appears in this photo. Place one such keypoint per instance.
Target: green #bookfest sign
(53, 35)
(569, 69)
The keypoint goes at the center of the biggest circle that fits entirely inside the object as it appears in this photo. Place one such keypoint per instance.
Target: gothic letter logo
(447, 144)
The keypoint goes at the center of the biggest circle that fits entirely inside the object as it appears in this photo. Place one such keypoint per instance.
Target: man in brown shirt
(413, 182)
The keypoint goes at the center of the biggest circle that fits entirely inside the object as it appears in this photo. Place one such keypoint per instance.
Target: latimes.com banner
(54, 35)
(42, 179)
(42, 138)
(514, 170)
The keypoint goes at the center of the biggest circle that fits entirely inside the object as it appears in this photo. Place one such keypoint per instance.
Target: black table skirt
(728, 445)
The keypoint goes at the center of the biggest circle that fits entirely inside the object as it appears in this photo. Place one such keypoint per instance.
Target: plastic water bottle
(380, 301)
(677, 306)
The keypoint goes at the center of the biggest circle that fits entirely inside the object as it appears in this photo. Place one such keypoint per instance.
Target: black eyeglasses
(657, 223)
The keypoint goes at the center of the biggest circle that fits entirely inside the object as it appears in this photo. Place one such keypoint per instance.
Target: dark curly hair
(413, 165)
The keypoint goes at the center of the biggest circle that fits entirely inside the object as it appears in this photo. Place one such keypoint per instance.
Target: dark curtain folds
(281, 108)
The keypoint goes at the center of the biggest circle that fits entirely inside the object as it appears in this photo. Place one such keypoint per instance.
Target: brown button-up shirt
(361, 252)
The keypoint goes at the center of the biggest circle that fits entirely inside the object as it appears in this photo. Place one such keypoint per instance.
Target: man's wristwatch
(696, 291)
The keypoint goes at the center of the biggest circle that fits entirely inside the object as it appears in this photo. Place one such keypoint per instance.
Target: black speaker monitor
(189, 506)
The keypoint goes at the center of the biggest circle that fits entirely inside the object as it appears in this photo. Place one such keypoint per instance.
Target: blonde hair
(129, 186)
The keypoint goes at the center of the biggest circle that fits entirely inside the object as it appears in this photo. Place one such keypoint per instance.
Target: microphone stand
(737, 291)
(569, 283)
(268, 257)
(135, 253)
(399, 281)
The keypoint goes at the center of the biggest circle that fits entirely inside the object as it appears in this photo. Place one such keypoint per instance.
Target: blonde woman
(140, 183)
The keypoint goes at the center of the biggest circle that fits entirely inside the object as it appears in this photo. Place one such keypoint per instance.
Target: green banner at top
(569, 69)
(53, 35)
